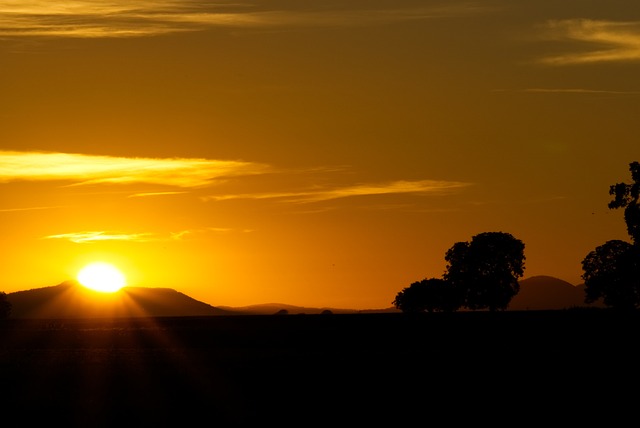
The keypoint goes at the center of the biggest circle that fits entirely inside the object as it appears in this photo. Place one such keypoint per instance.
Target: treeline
(484, 273)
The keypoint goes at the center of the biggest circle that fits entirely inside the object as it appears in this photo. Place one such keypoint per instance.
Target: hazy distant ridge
(71, 300)
(546, 292)
(536, 293)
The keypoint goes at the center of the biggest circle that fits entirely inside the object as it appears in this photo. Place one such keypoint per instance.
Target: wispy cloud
(569, 91)
(86, 237)
(144, 195)
(81, 169)
(90, 169)
(395, 187)
(95, 236)
(123, 18)
(184, 234)
(579, 91)
(8, 210)
(610, 41)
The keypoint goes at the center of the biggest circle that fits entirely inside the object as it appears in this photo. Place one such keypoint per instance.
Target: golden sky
(322, 154)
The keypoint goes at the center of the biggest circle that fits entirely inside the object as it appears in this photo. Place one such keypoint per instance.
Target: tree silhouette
(5, 306)
(428, 295)
(627, 196)
(485, 271)
(612, 273)
(480, 274)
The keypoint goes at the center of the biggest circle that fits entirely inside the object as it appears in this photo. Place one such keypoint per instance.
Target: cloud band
(92, 169)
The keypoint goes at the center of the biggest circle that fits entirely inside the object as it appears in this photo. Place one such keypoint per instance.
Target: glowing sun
(103, 277)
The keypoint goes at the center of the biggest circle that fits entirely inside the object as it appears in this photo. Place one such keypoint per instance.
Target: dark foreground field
(505, 369)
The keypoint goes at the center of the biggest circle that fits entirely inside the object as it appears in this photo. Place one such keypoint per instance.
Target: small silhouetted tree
(612, 273)
(5, 306)
(428, 295)
(627, 196)
(485, 271)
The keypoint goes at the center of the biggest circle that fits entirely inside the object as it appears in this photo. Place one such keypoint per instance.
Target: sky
(322, 154)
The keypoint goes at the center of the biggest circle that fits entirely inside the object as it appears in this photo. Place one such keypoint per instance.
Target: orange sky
(328, 155)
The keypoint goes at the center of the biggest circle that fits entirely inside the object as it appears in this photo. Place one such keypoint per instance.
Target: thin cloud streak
(579, 91)
(396, 187)
(9, 210)
(91, 169)
(119, 18)
(613, 41)
(95, 236)
(86, 237)
(147, 194)
(184, 234)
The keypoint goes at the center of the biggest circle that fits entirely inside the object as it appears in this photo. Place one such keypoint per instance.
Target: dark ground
(505, 369)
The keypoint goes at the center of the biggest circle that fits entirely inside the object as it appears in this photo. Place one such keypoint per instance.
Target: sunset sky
(321, 154)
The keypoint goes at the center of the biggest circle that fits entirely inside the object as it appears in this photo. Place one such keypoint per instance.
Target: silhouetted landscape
(70, 300)
(316, 369)
(411, 162)
(319, 369)
(475, 346)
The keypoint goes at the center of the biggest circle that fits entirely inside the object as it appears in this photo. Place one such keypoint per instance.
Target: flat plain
(323, 369)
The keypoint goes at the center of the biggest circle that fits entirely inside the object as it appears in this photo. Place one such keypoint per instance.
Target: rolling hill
(71, 300)
(548, 293)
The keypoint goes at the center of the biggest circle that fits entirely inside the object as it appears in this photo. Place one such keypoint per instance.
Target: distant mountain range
(71, 300)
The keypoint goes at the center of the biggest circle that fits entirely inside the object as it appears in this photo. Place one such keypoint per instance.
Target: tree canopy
(612, 273)
(627, 195)
(428, 295)
(485, 271)
(481, 274)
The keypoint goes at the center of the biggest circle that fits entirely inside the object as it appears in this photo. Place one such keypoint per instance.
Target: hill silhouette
(71, 300)
(548, 293)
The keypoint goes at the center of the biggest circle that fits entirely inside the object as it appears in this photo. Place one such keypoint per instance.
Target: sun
(103, 277)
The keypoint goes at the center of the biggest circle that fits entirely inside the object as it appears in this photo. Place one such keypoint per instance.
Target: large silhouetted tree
(612, 273)
(5, 305)
(485, 271)
(428, 295)
(627, 196)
